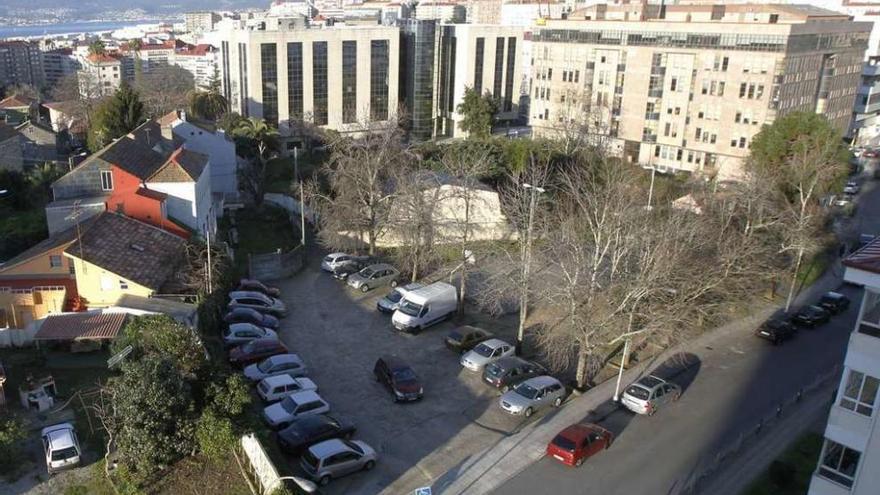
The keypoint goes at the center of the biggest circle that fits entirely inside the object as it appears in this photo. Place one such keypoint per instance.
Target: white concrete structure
(207, 140)
(850, 459)
(189, 194)
(441, 11)
(100, 75)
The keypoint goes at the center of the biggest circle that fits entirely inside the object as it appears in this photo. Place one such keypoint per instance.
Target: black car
(508, 371)
(776, 331)
(310, 430)
(465, 338)
(399, 378)
(249, 315)
(342, 272)
(811, 316)
(255, 285)
(834, 302)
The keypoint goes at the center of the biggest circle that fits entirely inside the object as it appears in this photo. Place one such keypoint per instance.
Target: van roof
(420, 296)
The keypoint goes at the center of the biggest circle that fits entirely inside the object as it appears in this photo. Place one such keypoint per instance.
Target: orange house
(131, 198)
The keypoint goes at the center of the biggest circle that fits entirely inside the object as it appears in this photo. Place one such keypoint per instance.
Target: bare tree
(80, 94)
(165, 88)
(584, 124)
(413, 220)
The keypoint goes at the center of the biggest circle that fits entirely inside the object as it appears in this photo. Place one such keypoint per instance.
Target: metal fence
(711, 463)
(277, 265)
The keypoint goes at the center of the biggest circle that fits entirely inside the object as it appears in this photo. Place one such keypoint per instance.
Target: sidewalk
(493, 466)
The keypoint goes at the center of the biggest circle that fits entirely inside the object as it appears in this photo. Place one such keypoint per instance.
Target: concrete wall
(10, 154)
(224, 163)
(102, 288)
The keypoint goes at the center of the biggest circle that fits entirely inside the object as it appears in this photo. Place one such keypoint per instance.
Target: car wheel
(676, 397)
(528, 412)
(365, 288)
(393, 283)
(324, 480)
(579, 462)
(369, 465)
(557, 402)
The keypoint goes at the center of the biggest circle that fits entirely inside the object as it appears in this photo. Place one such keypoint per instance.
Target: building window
(319, 82)
(123, 285)
(508, 79)
(294, 80)
(269, 81)
(55, 261)
(499, 67)
(478, 65)
(379, 62)
(839, 463)
(349, 82)
(106, 180)
(72, 266)
(673, 84)
(860, 393)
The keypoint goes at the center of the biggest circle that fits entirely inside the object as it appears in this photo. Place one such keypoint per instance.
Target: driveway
(340, 334)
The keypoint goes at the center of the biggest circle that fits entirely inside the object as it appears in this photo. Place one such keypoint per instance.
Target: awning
(81, 326)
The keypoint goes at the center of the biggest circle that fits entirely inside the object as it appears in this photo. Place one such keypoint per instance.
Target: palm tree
(42, 176)
(97, 47)
(210, 105)
(256, 138)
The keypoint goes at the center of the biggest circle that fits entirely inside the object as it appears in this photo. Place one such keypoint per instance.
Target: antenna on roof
(74, 215)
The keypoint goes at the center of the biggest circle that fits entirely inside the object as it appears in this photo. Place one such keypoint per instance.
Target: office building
(21, 63)
(686, 87)
(850, 460)
(59, 63)
(440, 11)
(337, 77)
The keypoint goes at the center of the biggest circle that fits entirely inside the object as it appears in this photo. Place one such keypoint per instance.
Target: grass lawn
(280, 171)
(802, 458)
(263, 231)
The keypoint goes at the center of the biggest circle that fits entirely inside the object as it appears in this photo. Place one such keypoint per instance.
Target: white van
(423, 307)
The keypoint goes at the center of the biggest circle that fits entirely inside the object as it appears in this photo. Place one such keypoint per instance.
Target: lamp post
(527, 261)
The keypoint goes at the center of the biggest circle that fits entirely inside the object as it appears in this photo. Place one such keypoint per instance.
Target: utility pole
(295, 163)
(620, 371)
(526, 267)
(302, 213)
(651, 189)
(208, 239)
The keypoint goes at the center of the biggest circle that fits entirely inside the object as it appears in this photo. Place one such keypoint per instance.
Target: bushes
(161, 335)
(12, 433)
(216, 435)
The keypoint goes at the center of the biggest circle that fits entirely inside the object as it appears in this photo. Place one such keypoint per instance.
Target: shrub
(215, 435)
(12, 433)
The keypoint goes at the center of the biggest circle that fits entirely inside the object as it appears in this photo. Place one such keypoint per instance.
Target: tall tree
(209, 105)
(164, 88)
(116, 117)
(478, 113)
(97, 47)
(255, 139)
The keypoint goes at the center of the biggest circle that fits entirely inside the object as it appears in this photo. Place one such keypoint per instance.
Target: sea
(70, 28)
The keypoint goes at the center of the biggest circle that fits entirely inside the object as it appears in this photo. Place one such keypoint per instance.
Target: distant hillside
(93, 8)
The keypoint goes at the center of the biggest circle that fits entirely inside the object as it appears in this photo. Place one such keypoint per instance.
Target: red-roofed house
(16, 109)
(101, 74)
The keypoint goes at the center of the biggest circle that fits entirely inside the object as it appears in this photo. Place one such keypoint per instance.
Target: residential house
(41, 144)
(100, 75)
(39, 281)
(206, 138)
(10, 148)
(16, 109)
(62, 117)
(120, 256)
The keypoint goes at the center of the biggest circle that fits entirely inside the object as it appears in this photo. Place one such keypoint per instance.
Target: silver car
(335, 458)
(374, 276)
(648, 394)
(391, 302)
(484, 353)
(242, 333)
(532, 395)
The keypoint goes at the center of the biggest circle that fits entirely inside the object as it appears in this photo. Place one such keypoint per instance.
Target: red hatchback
(256, 350)
(577, 442)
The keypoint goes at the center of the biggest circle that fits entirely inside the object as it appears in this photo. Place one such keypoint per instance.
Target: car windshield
(484, 350)
(355, 447)
(404, 375)
(367, 272)
(394, 296)
(527, 391)
(564, 443)
(494, 370)
(410, 308)
(64, 454)
(310, 459)
(638, 392)
(329, 259)
(264, 366)
(289, 404)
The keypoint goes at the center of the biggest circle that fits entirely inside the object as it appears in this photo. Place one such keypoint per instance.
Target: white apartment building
(200, 22)
(850, 460)
(100, 75)
(440, 11)
(687, 87)
(200, 61)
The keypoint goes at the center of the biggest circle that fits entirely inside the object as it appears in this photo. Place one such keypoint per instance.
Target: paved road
(737, 382)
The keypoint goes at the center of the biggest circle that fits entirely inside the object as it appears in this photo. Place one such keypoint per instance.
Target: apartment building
(59, 63)
(687, 87)
(200, 22)
(200, 61)
(21, 63)
(283, 70)
(100, 75)
(441, 11)
(850, 459)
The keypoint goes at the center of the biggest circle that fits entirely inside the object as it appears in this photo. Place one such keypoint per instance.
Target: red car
(255, 351)
(577, 442)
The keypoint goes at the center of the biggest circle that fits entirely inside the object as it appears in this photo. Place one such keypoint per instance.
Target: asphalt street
(730, 387)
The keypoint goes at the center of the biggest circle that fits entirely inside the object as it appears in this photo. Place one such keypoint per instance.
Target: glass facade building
(319, 82)
(379, 63)
(295, 80)
(269, 82)
(349, 82)
(418, 49)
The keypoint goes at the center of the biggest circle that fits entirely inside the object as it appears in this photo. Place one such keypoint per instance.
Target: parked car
(391, 301)
(311, 430)
(811, 316)
(374, 276)
(484, 353)
(851, 187)
(648, 394)
(399, 378)
(242, 333)
(254, 285)
(277, 387)
(295, 406)
(250, 315)
(776, 331)
(336, 458)
(258, 301)
(255, 351)
(61, 447)
(335, 260)
(278, 364)
(834, 302)
(576, 443)
(843, 200)
(343, 272)
(532, 395)
(465, 338)
(425, 307)
(509, 371)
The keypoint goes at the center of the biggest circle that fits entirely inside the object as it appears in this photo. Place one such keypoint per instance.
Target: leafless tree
(413, 220)
(584, 124)
(81, 95)
(165, 88)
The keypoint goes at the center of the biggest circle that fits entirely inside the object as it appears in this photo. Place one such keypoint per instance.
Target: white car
(61, 447)
(242, 333)
(391, 301)
(335, 260)
(286, 364)
(485, 353)
(294, 406)
(851, 187)
(278, 387)
(256, 300)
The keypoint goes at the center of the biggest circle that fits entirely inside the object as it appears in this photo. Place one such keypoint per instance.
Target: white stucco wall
(224, 178)
(188, 202)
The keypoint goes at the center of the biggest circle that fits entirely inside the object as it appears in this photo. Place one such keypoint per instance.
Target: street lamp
(527, 261)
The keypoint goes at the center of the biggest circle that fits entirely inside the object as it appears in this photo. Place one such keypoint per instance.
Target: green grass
(812, 269)
(802, 457)
(280, 171)
(262, 231)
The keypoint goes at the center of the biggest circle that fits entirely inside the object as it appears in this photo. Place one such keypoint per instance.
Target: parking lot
(339, 334)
